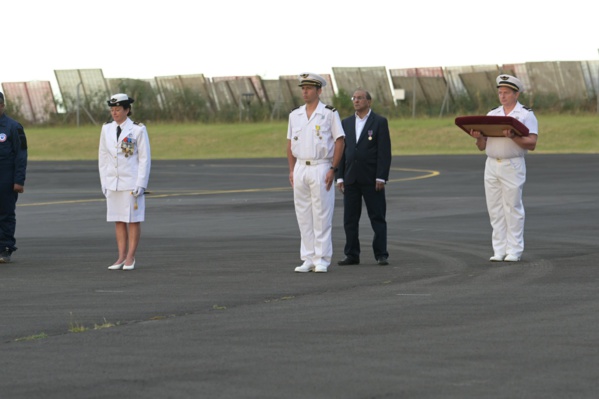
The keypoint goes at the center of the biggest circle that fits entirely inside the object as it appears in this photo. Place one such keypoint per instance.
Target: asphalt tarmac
(214, 309)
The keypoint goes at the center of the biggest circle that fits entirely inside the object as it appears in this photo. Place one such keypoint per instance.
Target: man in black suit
(363, 172)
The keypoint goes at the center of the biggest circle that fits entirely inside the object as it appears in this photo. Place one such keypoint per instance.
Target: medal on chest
(317, 127)
(128, 145)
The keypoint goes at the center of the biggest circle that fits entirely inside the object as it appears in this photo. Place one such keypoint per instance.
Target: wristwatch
(334, 169)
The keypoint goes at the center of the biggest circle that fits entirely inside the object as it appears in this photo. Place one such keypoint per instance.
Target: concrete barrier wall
(429, 87)
(34, 100)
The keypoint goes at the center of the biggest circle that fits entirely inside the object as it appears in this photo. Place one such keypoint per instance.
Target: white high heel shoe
(130, 267)
(117, 266)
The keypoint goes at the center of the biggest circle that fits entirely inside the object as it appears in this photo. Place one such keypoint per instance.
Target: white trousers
(504, 180)
(314, 207)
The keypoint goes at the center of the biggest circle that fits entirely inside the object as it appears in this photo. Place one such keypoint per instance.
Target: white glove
(138, 191)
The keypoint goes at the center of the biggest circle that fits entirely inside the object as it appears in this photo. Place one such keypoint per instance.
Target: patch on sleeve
(22, 137)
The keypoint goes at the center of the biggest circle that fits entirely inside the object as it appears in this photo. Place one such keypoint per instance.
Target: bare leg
(134, 234)
(121, 240)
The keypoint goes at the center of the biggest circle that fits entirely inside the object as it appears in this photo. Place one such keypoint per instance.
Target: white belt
(502, 159)
(310, 162)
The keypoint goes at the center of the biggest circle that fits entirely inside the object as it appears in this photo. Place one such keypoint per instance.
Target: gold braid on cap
(310, 82)
(510, 85)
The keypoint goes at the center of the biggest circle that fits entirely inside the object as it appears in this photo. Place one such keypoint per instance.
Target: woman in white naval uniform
(124, 162)
(505, 172)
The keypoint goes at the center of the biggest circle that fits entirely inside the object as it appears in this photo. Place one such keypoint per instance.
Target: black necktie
(118, 132)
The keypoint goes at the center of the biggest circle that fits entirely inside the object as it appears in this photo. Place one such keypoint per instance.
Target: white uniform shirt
(117, 171)
(502, 147)
(315, 138)
(360, 122)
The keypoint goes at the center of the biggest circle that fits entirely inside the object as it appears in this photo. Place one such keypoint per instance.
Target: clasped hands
(509, 133)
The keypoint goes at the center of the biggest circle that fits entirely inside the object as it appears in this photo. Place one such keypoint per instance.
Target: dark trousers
(8, 221)
(376, 207)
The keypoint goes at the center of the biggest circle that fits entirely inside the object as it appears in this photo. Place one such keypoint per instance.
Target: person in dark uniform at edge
(363, 173)
(13, 165)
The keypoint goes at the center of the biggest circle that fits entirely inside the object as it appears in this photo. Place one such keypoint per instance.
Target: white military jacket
(502, 148)
(314, 138)
(124, 164)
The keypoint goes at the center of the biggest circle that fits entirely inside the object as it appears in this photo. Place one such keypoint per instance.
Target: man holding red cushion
(505, 171)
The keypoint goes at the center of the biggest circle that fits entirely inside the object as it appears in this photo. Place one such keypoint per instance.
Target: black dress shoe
(5, 256)
(382, 261)
(348, 261)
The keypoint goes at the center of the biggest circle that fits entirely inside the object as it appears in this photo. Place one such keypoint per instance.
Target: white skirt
(120, 207)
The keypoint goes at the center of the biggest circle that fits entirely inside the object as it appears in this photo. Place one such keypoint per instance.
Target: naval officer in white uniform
(505, 171)
(315, 143)
(124, 162)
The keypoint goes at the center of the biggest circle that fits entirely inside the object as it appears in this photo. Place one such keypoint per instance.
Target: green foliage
(553, 104)
(12, 109)
(146, 107)
(105, 324)
(32, 337)
(342, 101)
(76, 327)
(480, 103)
(228, 114)
(188, 105)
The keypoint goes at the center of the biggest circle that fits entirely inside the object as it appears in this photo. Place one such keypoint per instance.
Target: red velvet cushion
(492, 126)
